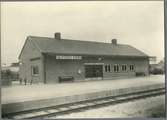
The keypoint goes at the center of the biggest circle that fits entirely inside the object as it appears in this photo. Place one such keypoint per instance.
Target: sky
(137, 23)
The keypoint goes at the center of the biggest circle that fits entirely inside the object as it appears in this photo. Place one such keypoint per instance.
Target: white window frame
(117, 68)
(107, 68)
(130, 67)
(125, 66)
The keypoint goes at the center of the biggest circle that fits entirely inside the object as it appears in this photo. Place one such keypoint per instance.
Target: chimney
(114, 41)
(57, 35)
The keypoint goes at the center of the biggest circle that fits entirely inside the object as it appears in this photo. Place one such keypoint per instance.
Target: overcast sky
(137, 23)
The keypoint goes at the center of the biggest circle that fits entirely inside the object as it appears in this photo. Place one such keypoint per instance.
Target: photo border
(165, 51)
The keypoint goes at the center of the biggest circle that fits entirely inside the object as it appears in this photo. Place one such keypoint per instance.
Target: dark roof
(66, 46)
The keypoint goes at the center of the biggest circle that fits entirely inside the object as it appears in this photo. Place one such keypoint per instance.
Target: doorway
(93, 71)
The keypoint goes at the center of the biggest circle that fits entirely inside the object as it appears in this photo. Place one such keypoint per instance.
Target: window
(131, 67)
(123, 67)
(107, 68)
(35, 70)
(116, 68)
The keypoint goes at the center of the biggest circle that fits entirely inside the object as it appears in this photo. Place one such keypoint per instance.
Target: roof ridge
(76, 40)
(39, 37)
(90, 41)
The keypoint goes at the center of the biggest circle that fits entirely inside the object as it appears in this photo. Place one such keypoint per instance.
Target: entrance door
(93, 71)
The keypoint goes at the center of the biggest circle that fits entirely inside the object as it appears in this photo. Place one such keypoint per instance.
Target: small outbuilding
(50, 60)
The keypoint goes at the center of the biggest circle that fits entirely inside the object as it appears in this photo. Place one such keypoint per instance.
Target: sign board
(68, 57)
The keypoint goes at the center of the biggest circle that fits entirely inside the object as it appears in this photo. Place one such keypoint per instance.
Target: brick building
(45, 60)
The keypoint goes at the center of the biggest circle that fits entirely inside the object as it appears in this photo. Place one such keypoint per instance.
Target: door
(93, 71)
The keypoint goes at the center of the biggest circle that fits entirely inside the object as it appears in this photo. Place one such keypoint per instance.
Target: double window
(107, 68)
(124, 68)
(35, 70)
(131, 67)
(116, 68)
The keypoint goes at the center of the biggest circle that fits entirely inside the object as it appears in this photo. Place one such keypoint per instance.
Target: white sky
(138, 23)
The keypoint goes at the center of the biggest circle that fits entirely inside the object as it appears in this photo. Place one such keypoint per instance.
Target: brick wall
(55, 68)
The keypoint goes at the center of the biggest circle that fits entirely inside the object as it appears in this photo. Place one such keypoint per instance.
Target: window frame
(116, 68)
(35, 70)
(107, 68)
(124, 67)
(131, 67)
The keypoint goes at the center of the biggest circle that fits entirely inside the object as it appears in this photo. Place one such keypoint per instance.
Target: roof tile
(67, 46)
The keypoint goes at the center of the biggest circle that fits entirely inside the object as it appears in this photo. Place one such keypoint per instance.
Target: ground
(21, 93)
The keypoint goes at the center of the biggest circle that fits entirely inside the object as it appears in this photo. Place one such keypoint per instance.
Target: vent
(114, 41)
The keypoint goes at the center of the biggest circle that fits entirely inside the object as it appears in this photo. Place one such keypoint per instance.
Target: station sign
(64, 57)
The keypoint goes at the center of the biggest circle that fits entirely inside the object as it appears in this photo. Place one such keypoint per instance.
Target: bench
(66, 79)
(140, 74)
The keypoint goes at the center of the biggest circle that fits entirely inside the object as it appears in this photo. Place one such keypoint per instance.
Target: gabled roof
(67, 46)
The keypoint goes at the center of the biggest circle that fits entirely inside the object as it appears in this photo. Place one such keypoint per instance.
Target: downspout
(148, 65)
(43, 68)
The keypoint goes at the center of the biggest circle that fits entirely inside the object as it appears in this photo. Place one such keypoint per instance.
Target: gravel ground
(21, 93)
(148, 107)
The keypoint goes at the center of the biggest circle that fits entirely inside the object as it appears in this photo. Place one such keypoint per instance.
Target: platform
(35, 95)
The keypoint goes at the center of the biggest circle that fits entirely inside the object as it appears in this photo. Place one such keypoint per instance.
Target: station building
(45, 60)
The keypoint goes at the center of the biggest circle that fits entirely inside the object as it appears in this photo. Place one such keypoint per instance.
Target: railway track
(83, 105)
